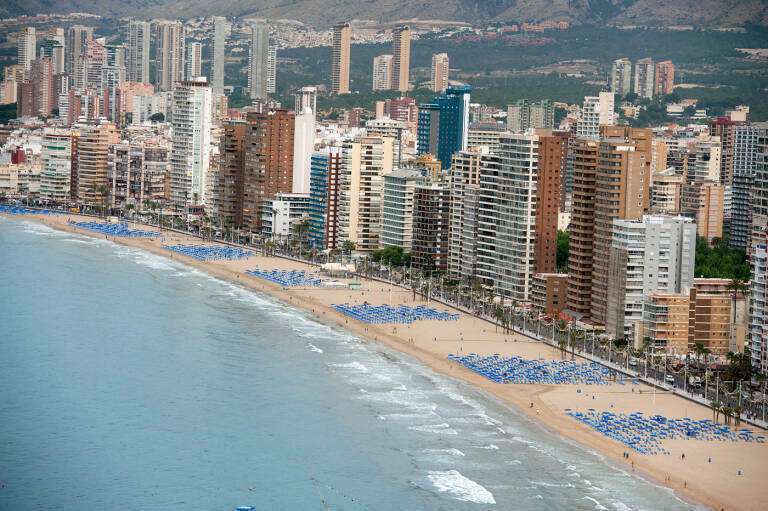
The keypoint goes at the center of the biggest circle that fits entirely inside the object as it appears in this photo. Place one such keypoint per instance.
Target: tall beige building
(365, 160)
(440, 66)
(194, 60)
(401, 57)
(616, 170)
(90, 177)
(340, 66)
(382, 72)
(27, 45)
(170, 54)
(704, 201)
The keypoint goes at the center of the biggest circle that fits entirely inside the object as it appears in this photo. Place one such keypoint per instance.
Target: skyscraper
(340, 63)
(92, 152)
(191, 144)
(268, 161)
(621, 77)
(77, 35)
(382, 72)
(664, 78)
(744, 171)
(219, 47)
(401, 57)
(272, 69)
(304, 144)
(443, 125)
(431, 226)
(653, 254)
(137, 51)
(52, 49)
(523, 115)
(644, 82)
(27, 47)
(112, 76)
(194, 60)
(306, 97)
(616, 168)
(55, 164)
(170, 54)
(597, 111)
(365, 160)
(324, 199)
(258, 63)
(440, 70)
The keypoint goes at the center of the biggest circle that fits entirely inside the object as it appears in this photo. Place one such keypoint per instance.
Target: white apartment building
(137, 51)
(258, 63)
(219, 47)
(652, 255)
(397, 208)
(382, 72)
(621, 77)
(597, 111)
(56, 164)
(191, 142)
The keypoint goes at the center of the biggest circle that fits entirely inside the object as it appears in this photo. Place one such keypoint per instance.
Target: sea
(132, 381)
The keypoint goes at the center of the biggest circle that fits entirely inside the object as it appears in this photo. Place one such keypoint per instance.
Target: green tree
(158, 117)
(563, 250)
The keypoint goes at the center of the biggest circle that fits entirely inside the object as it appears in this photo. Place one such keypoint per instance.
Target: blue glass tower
(318, 199)
(443, 125)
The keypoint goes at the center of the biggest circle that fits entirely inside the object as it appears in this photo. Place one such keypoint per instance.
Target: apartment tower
(440, 69)
(401, 57)
(137, 51)
(340, 65)
(170, 54)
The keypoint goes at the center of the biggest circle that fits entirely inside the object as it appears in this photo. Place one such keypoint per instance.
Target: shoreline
(714, 485)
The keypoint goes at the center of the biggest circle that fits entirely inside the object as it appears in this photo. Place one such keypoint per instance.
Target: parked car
(669, 378)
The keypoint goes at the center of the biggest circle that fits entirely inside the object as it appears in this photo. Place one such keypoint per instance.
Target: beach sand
(715, 484)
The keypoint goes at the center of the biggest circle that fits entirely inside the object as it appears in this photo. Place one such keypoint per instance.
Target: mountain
(323, 13)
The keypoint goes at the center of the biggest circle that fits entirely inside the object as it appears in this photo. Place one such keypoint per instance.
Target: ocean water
(130, 381)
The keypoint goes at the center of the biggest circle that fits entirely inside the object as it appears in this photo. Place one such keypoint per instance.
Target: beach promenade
(725, 475)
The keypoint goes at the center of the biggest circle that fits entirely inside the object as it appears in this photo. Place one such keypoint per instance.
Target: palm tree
(736, 286)
(715, 410)
(727, 411)
(737, 411)
(498, 314)
(563, 345)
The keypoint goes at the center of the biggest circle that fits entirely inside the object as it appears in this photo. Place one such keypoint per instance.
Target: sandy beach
(716, 484)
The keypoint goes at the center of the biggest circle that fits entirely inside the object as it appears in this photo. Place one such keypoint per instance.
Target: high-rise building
(54, 50)
(397, 208)
(758, 296)
(269, 150)
(401, 57)
(219, 56)
(444, 124)
(324, 199)
(340, 64)
(137, 51)
(77, 35)
(258, 62)
(57, 34)
(41, 78)
(517, 214)
(523, 115)
(597, 111)
(306, 97)
(621, 77)
(744, 172)
(388, 128)
(137, 172)
(113, 74)
(644, 82)
(548, 292)
(191, 145)
(465, 188)
(56, 164)
(704, 201)
(402, 109)
(382, 72)
(723, 128)
(365, 160)
(654, 254)
(228, 192)
(611, 182)
(664, 78)
(171, 42)
(431, 227)
(440, 72)
(27, 47)
(94, 64)
(708, 163)
(92, 150)
(194, 60)
(272, 69)
(666, 190)
(303, 146)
